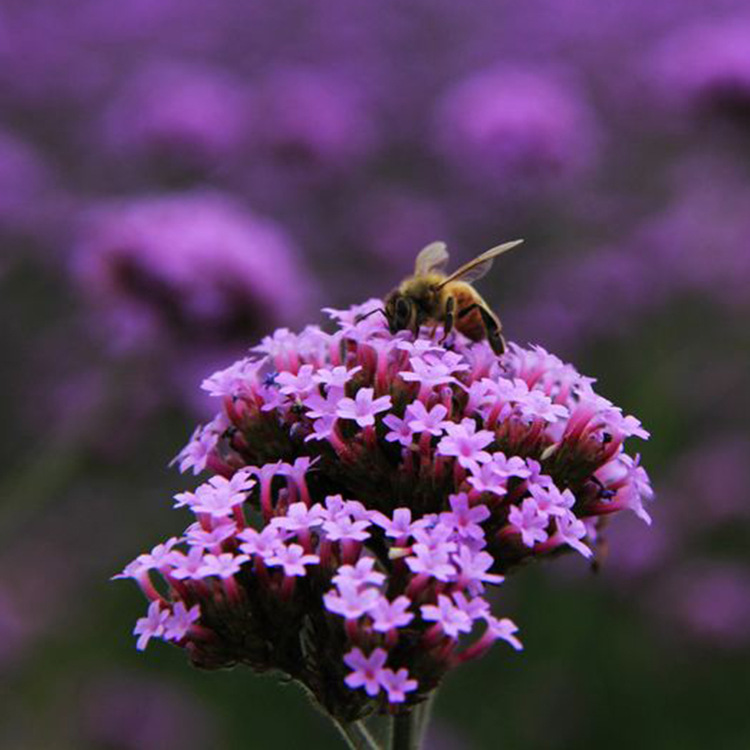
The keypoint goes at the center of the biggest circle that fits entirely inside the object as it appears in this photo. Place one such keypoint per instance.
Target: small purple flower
(529, 522)
(399, 430)
(422, 420)
(473, 569)
(299, 518)
(188, 566)
(367, 671)
(387, 615)
(488, 478)
(350, 601)
(466, 443)
(219, 496)
(160, 556)
(336, 377)
(503, 629)
(363, 408)
(292, 558)
(335, 508)
(360, 574)
(551, 501)
(322, 428)
(475, 608)
(151, 626)
(431, 562)
(224, 565)
(197, 536)
(179, 621)
(262, 543)
(537, 405)
(397, 684)
(570, 531)
(400, 525)
(195, 454)
(344, 527)
(428, 372)
(452, 619)
(463, 519)
(509, 466)
(233, 380)
(321, 407)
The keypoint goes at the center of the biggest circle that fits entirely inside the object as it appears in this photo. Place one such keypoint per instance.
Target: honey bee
(431, 296)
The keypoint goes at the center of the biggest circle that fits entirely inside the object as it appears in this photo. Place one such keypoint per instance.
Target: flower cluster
(190, 263)
(367, 491)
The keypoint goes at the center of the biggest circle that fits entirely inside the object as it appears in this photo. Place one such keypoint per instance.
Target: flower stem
(423, 712)
(405, 732)
(357, 736)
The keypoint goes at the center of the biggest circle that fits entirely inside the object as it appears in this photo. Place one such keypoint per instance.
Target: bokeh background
(179, 177)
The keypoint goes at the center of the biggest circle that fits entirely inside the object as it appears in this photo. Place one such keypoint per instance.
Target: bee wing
(431, 258)
(478, 267)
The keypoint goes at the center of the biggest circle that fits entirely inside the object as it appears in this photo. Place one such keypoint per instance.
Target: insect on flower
(429, 296)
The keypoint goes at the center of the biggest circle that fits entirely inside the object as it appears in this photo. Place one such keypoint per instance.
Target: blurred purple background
(179, 177)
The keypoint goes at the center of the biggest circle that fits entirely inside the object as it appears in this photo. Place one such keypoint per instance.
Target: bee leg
(497, 342)
(450, 307)
(492, 329)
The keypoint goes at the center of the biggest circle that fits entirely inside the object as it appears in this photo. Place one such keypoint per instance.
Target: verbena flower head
(360, 563)
(178, 116)
(191, 264)
(512, 126)
(704, 68)
(314, 122)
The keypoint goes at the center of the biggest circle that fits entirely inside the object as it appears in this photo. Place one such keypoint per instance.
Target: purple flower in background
(508, 128)
(704, 67)
(192, 264)
(132, 712)
(26, 187)
(314, 121)
(707, 602)
(179, 115)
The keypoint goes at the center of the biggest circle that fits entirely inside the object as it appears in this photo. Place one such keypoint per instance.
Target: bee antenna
(360, 318)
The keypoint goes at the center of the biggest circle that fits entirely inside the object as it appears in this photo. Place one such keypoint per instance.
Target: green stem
(357, 736)
(405, 732)
(423, 713)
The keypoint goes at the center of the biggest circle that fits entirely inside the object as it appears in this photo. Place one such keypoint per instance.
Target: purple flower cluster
(189, 263)
(183, 117)
(509, 126)
(367, 490)
(704, 68)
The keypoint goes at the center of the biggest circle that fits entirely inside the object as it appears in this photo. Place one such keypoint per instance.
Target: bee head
(400, 312)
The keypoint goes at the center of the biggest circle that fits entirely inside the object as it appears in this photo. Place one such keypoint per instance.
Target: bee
(431, 296)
